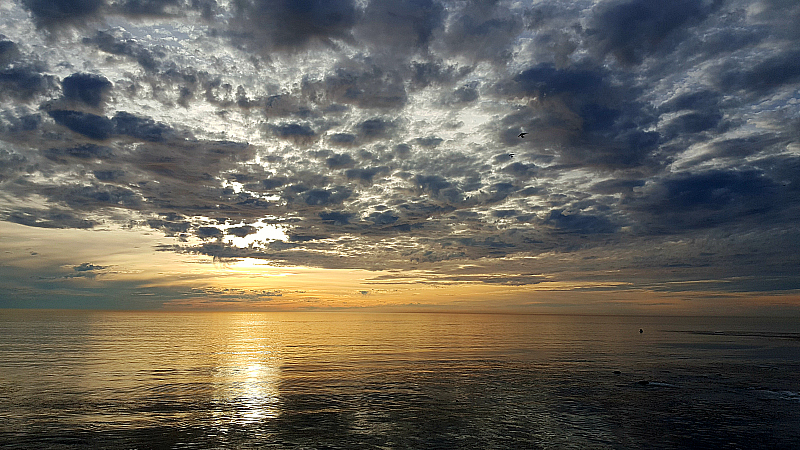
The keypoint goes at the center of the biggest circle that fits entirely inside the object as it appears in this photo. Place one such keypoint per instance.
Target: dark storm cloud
(51, 13)
(545, 79)
(209, 232)
(336, 217)
(21, 75)
(147, 7)
(170, 228)
(49, 218)
(401, 25)
(376, 128)
(9, 51)
(325, 197)
(429, 141)
(691, 123)
(432, 184)
(295, 132)
(365, 175)
(580, 223)
(762, 78)
(703, 100)
(361, 84)
(343, 139)
(100, 127)
(92, 197)
(483, 31)
(383, 218)
(634, 30)
(340, 161)
(87, 124)
(617, 186)
(743, 147)
(142, 128)
(86, 88)
(11, 165)
(109, 175)
(20, 123)
(592, 121)
(435, 73)
(293, 25)
(241, 231)
(712, 198)
(84, 151)
(284, 106)
(274, 182)
(520, 170)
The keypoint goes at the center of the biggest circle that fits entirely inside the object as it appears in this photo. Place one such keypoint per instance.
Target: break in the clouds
(384, 135)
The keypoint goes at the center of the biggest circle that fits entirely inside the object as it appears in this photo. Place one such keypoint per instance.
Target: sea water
(141, 380)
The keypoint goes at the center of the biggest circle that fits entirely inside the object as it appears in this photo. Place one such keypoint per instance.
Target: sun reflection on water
(252, 393)
(246, 375)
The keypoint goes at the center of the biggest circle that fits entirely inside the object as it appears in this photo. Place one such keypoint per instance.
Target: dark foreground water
(339, 380)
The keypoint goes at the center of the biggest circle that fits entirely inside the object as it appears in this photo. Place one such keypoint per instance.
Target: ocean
(303, 380)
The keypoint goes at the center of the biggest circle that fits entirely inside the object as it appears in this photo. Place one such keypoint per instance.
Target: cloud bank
(383, 135)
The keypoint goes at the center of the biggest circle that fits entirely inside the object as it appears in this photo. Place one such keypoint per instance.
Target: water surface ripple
(89, 379)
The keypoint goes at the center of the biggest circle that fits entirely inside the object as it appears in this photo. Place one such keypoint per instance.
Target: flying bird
(522, 135)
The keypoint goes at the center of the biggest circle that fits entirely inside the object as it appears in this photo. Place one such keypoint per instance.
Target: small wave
(170, 388)
(780, 395)
(654, 383)
(763, 334)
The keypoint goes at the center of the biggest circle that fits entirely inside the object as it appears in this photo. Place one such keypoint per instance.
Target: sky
(311, 154)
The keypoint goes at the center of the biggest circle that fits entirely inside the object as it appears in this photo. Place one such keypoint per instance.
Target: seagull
(522, 135)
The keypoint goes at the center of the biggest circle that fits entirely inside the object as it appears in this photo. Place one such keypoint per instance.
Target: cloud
(84, 151)
(482, 31)
(286, 25)
(111, 42)
(592, 121)
(49, 218)
(56, 13)
(90, 125)
(342, 139)
(763, 77)
(709, 199)
(101, 128)
(384, 135)
(580, 223)
(148, 7)
(361, 84)
(366, 175)
(336, 217)
(22, 76)
(375, 128)
(87, 88)
(400, 26)
(633, 30)
(140, 128)
(84, 267)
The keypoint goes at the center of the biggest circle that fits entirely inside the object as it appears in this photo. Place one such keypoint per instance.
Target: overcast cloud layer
(663, 139)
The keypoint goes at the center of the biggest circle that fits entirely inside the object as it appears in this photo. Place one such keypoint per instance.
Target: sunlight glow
(266, 233)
